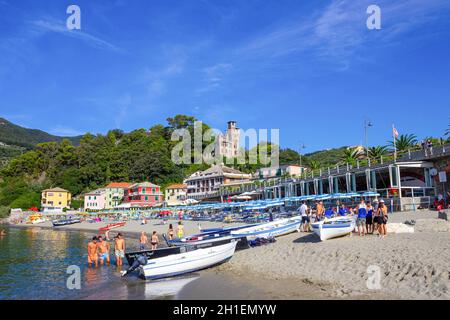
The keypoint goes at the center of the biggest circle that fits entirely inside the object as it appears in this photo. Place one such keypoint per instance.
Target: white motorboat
(271, 229)
(174, 261)
(334, 228)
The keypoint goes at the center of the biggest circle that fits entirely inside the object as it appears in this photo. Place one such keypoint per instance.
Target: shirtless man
(155, 240)
(143, 241)
(320, 210)
(119, 249)
(103, 248)
(92, 249)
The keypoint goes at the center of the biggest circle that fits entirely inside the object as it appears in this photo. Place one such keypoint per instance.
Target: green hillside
(14, 135)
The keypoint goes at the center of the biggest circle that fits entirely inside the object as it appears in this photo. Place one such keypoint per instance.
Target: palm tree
(314, 165)
(404, 142)
(447, 132)
(350, 155)
(377, 152)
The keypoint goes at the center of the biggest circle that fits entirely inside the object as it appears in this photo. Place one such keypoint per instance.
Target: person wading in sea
(119, 249)
(143, 241)
(103, 248)
(92, 249)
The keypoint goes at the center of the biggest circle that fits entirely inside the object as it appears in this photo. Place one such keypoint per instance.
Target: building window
(146, 198)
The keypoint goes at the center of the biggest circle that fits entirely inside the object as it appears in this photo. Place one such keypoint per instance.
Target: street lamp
(367, 124)
(300, 153)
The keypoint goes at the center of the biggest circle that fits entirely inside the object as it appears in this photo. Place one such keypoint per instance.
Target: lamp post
(367, 124)
(300, 153)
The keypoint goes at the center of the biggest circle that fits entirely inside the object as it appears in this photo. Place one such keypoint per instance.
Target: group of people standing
(370, 218)
(99, 248)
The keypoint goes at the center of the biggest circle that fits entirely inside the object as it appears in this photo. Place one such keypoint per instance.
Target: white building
(228, 144)
(175, 194)
(291, 170)
(206, 183)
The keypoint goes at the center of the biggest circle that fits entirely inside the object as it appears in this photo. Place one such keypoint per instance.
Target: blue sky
(309, 68)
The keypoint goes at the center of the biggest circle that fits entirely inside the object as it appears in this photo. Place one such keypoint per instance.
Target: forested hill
(14, 135)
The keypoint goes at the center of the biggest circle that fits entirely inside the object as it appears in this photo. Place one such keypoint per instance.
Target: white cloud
(52, 25)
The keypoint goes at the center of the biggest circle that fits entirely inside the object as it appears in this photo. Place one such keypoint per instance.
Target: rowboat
(174, 261)
(334, 228)
(112, 226)
(271, 229)
(58, 223)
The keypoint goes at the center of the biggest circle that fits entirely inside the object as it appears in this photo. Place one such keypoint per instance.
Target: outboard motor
(141, 260)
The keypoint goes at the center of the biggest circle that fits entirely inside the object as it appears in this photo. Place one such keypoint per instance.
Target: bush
(4, 212)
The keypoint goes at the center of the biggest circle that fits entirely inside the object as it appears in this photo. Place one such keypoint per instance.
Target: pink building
(143, 194)
(95, 200)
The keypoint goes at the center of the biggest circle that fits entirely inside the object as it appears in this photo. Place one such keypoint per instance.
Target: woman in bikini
(171, 232)
(155, 240)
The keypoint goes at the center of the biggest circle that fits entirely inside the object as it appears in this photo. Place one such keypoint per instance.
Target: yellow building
(55, 199)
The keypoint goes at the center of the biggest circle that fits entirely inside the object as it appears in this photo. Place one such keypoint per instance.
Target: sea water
(34, 264)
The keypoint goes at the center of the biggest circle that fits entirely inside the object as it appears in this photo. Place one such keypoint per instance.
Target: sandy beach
(299, 266)
(413, 266)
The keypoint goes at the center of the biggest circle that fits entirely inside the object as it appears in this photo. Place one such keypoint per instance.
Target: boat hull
(335, 229)
(65, 222)
(271, 229)
(188, 261)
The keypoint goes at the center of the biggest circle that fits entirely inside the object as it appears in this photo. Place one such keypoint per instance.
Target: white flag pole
(395, 143)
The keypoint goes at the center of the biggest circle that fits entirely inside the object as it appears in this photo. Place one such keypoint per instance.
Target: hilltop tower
(228, 143)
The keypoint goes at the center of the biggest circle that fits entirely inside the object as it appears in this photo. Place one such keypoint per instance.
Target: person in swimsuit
(319, 210)
(155, 240)
(119, 249)
(3, 233)
(180, 230)
(143, 241)
(103, 248)
(369, 219)
(382, 219)
(171, 232)
(92, 249)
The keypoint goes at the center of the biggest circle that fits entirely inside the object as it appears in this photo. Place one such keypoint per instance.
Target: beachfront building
(55, 200)
(290, 170)
(227, 145)
(95, 200)
(143, 194)
(205, 184)
(175, 194)
(114, 193)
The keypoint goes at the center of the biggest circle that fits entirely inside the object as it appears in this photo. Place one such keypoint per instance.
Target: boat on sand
(333, 228)
(270, 229)
(174, 261)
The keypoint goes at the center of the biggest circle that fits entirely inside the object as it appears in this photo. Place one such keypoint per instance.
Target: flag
(395, 132)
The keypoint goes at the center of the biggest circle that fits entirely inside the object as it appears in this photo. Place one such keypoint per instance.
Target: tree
(351, 156)
(404, 142)
(314, 165)
(376, 153)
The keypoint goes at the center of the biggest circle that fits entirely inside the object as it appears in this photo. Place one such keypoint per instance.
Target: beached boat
(270, 229)
(65, 222)
(112, 226)
(174, 261)
(333, 228)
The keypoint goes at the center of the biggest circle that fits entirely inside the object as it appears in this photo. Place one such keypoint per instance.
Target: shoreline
(298, 266)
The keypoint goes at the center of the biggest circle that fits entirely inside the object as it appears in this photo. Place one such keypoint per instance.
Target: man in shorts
(361, 220)
(305, 218)
(119, 249)
(92, 249)
(103, 248)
